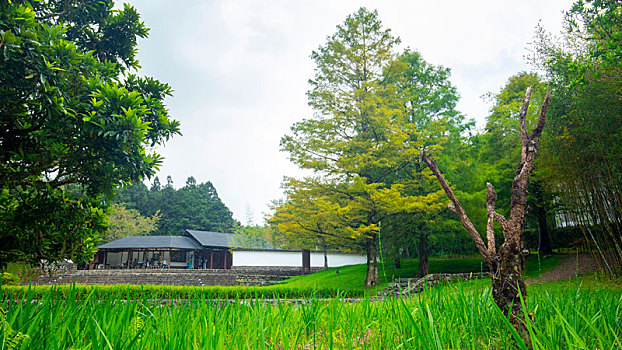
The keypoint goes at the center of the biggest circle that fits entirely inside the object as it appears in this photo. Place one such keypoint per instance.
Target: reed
(455, 316)
(132, 291)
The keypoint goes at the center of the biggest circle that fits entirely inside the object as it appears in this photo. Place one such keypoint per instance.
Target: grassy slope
(352, 277)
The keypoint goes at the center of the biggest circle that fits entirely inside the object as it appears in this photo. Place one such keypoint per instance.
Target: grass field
(351, 278)
(582, 314)
(585, 313)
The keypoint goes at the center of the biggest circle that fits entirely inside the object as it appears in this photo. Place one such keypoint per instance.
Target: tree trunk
(508, 286)
(371, 278)
(397, 262)
(545, 236)
(424, 252)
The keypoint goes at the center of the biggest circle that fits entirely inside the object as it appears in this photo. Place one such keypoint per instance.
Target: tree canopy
(193, 207)
(375, 108)
(72, 114)
(123, 222)
(582, 158)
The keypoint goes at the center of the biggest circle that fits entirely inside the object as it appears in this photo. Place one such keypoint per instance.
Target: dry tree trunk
(505, 265)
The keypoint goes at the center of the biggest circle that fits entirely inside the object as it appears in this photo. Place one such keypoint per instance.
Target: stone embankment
(237, 276)
(410, 286)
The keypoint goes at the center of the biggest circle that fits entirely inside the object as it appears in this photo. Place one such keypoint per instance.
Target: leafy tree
(191, 181)
(359, 135)
(261, 236)
(123, 222)
(70, 113)
(194, 206)
(429, 104)
(583, 153)
(311, 218)
(169, 182)
(156, 186)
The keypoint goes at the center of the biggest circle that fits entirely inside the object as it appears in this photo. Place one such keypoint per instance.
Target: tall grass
(458, 316)
(132, 291)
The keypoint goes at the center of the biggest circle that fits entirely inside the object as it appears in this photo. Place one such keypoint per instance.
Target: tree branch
(464, 219)
(452, 208)
(537, 131)
(501, 220)
(518, 200)
(491, 197)
(523, 128)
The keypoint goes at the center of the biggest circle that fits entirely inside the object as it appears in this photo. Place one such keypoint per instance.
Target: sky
(240, 69)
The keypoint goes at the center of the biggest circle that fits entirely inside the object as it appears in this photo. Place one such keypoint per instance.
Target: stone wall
(409, 286)
(237, 276)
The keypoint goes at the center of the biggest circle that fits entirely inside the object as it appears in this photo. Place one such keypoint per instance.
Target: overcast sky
(239, 70)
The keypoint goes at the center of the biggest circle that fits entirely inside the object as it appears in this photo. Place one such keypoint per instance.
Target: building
(208, 250)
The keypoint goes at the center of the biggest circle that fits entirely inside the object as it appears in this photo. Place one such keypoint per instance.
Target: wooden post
(130, 254)
(229, 255)
(211, 258)
(306, 261)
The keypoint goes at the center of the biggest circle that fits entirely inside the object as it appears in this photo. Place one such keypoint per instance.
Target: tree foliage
(359, 135)
(123, 222)
(375, 109)
(71, 113)
(192, 207)
(583, 153)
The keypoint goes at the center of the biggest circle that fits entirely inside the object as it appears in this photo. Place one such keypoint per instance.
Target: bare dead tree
(505, 264)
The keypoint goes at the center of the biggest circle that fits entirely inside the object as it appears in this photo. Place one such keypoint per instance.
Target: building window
(178, 256)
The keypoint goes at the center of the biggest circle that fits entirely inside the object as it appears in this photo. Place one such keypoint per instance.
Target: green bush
(9, 279)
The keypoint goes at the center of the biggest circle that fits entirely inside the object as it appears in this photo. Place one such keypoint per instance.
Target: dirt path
(570, 266)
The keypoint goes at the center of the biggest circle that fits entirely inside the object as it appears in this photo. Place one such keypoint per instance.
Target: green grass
(535, 265)
(157, 292)
(351, 278)
(582, 314)
(348, 282)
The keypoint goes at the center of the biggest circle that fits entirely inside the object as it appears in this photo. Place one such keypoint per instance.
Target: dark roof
(154, 242)
(213, 239)
(228, 240)
(192, 240)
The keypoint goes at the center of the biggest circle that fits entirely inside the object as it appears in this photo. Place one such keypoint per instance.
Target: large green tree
(584, 151)
(358, 136)
(71, 114)
(429, 103)
(194, 206)
(123, 222)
